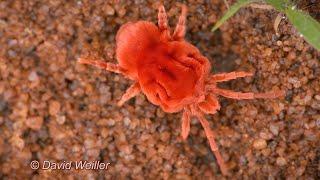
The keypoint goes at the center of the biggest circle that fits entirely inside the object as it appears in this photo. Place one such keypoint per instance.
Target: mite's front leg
(102, 65)
(249, 95)
(228, 76)
(180, 30)
(163, 22)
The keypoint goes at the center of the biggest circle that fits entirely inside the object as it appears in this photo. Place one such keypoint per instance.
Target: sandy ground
(54, 109)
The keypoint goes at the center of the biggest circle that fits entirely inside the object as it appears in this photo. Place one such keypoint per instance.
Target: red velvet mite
(172, 73)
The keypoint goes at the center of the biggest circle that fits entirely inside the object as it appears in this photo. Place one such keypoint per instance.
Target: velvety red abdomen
(133, 41)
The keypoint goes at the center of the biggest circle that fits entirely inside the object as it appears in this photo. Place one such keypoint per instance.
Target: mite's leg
(132, 91)
(210, 105)
(240, 95)
(163, 22)
(180, 30)
(213, 145)
(101, 64)
(228, 76)
(185, 125)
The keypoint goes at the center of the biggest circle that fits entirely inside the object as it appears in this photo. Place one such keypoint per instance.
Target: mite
(172, 73)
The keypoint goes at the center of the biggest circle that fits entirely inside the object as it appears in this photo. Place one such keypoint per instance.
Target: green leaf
(233, 9)
(279, 5)
(306, 25)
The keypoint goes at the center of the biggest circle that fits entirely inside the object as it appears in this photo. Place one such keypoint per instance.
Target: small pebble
(111, 122)
(54, 108)
(126, 121)
(266, 135)
(17, 142)
(61, 119)
(281, 161)
(260, 144)
(34, 123)
(165, 136)
(33, 76)
(274, 129)
(109, 10)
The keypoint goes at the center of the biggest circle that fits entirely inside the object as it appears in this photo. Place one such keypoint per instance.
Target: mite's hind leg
(250, 95)
(101, 64)
(228, 76)
(211, 138)
(180, 29)
(132, 91)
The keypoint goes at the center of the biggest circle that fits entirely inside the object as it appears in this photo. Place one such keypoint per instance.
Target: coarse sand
(55, 109)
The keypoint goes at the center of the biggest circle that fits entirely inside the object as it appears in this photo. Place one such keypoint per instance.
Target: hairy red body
(172, 73)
